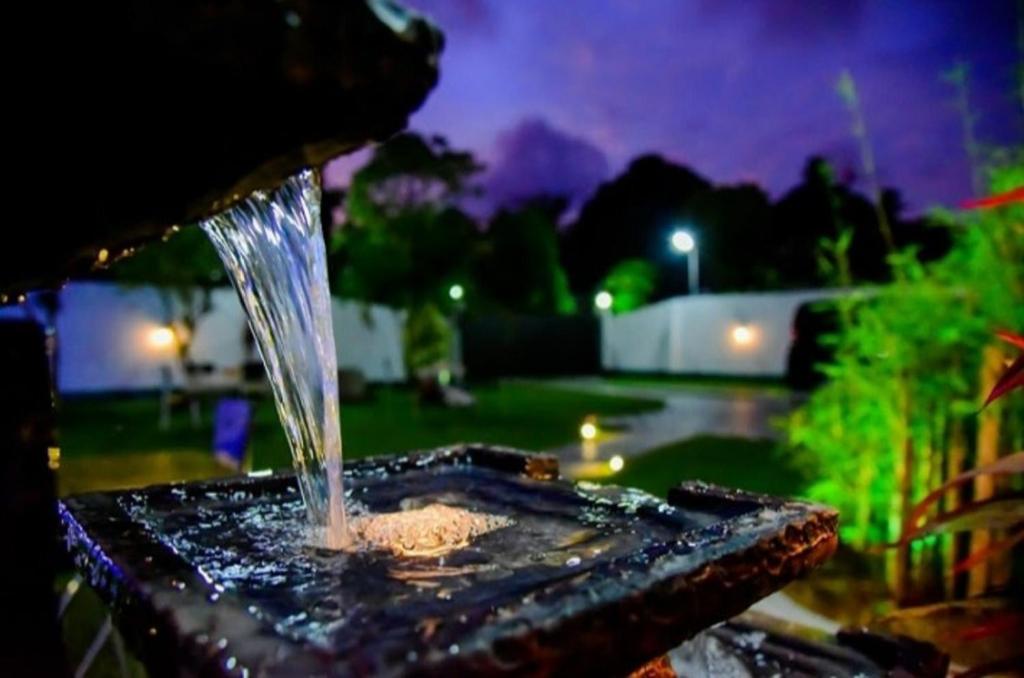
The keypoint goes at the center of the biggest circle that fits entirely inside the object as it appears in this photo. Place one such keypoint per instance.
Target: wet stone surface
(260, 550)
(543, 589)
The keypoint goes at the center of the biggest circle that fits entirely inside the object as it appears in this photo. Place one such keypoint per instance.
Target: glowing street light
(684, 242)
(603, 300)
(616, 463)
(456, 292)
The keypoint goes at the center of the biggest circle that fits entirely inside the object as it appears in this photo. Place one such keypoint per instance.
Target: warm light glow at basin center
(433, 530)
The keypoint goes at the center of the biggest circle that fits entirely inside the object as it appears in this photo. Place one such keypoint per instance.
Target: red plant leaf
(1012, 378)
(993, 548)
(997, 200)
(1009, 337)
(993, 513)
(1008, 465)
(996, 625)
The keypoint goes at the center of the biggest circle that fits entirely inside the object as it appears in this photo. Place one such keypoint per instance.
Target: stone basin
(221, 577)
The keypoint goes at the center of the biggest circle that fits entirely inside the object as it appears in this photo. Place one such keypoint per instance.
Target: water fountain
(469, 559)
(516, 571)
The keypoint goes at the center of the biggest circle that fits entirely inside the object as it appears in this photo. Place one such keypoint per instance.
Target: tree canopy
(745, 241)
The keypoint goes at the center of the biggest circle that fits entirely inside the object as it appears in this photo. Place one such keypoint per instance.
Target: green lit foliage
(900, 410)
(405, 241)
(426, 338)
(631, 283)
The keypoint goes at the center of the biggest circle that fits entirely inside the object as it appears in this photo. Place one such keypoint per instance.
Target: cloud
(793, 21)
(534, 159)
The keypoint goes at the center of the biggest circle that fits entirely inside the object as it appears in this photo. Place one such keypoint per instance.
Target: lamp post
(457, 293)
(683, 242)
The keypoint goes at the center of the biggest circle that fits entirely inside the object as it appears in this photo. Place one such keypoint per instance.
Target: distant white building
(109, 337)
(743, 334)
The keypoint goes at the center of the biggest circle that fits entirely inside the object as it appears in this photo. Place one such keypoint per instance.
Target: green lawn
(95, 432)
(699, 382)
(754, 465)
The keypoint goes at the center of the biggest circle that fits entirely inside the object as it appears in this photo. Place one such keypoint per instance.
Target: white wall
(103, 331)
(693, 335)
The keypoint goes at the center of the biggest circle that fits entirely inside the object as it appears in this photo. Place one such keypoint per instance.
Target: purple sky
(556, 95)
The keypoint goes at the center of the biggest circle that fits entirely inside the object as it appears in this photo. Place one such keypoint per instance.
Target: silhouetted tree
(630, 217)
(733, 224)
(820, 209)
(518, 266)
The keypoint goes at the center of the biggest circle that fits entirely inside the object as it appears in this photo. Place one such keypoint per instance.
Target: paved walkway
(741, 412)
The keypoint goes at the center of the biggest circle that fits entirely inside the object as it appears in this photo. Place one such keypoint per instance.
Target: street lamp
(683, 242)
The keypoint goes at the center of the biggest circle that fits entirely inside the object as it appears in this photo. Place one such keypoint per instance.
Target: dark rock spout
(145, 115)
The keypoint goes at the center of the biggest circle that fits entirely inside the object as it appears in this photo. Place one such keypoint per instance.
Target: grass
(115, 440)
(698, 382)
(753, 465)
(108, 472)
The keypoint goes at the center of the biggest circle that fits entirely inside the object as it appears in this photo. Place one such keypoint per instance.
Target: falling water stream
(273, 248)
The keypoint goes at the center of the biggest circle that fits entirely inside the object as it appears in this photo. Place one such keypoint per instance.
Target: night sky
(558, 95)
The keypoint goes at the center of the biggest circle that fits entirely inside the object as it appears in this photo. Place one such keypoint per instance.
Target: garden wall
(743, 334)
(105, 341)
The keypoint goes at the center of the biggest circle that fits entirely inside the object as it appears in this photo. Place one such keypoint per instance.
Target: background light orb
(683, 241)
(456, 292)
(603, 300)
(616, 463)
(588, 431)
(161, 338)
(743, 335)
